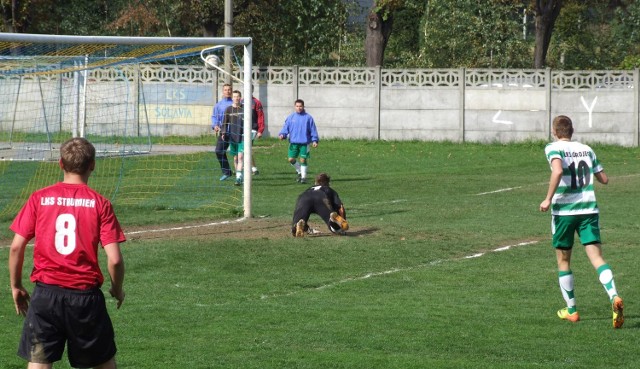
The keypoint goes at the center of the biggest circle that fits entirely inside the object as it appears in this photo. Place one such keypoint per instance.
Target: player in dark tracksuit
(322, 200)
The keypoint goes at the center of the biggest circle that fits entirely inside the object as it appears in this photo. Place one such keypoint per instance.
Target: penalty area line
(186, 227)
(545, 183)
(398, 270)
(167, 229)
(500, 190)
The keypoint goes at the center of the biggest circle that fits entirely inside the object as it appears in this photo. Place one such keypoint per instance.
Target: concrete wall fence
(458, 105)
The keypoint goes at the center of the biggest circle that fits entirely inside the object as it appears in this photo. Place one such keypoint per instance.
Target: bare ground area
(254, 228)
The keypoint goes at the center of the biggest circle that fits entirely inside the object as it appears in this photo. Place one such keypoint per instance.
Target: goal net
(145, 103)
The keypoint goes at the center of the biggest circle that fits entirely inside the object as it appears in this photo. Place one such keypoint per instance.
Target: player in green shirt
(572, 200)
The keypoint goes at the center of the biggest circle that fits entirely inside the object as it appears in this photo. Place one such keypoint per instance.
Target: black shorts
(57, 316)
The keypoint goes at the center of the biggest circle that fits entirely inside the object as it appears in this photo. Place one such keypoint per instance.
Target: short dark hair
(237, 92)
(299, 101)
(77, 155)
(323, 179)
(563, 126)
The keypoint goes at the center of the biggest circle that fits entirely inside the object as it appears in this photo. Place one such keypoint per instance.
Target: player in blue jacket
(300, 129)
(216, 124)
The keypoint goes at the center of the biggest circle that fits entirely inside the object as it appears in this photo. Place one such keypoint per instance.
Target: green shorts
(299, 150)
(235, 148)
(564, 227)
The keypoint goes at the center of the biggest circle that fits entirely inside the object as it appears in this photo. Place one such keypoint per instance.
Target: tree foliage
(579, 40)
(403, 47)
(625, 29)
(474, 34)
(72, 17)
(597, 34)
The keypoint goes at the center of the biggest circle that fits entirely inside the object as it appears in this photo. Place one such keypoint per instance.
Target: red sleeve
(24, 223)
(110, 230)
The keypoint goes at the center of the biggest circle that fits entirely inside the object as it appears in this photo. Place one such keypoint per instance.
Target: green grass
(401, 291)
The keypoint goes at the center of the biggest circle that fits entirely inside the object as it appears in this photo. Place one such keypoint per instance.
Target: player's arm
(602, 177)
(216, 118)
(213, 118)
(284, 132)
(554, 182)
(314, 133)
(16, 261)
(115, 266)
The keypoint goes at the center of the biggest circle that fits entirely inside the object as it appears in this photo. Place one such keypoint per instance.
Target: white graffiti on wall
(500, 121)
(589, 108)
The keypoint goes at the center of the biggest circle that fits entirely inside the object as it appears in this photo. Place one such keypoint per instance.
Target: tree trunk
(378, 32)
(209, 29)
(546, 14)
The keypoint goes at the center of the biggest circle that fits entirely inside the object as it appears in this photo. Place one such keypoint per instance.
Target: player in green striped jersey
(572, 200)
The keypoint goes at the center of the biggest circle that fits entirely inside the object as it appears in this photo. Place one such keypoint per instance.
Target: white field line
(500, 190)
(540, 184)
(186, 227)
(397, 201)
(169, 229)
(396, 270)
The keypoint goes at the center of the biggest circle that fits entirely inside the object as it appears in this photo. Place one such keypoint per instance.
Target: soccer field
(447, 264)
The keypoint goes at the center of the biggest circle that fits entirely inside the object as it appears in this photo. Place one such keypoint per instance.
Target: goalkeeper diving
(323, 200)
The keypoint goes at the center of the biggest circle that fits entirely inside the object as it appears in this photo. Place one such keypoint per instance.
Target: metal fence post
(463, 85)
(549, 90)
(378, 96)
(296, 81)
(636, 110)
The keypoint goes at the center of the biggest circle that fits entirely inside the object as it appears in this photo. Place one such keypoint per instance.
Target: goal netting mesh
(145, 106)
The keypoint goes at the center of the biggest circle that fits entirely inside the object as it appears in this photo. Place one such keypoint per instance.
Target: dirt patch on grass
(254, 228)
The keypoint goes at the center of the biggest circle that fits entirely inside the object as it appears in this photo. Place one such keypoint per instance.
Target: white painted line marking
(500, 190)
(186, 227)
(395, 270)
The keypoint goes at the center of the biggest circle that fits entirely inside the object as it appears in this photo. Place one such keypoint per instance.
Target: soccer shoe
(300, 228)
(564, 314)
(339, 220)
(256, 172)
(298, 177)
(238, 182)
(618, 317)
(303, 180)
(313, 231)
(224, 176)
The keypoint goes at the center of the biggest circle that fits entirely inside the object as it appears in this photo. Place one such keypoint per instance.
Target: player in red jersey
(68, 220)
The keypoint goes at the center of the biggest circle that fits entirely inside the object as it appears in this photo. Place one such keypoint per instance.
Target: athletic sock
(565, 279)
(296, 166)
(303, 171)
(605, 275)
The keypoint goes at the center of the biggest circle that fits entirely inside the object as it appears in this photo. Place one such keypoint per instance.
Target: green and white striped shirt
(575, 193)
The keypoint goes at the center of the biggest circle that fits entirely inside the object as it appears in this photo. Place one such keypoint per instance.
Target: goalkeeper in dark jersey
(322, 200)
